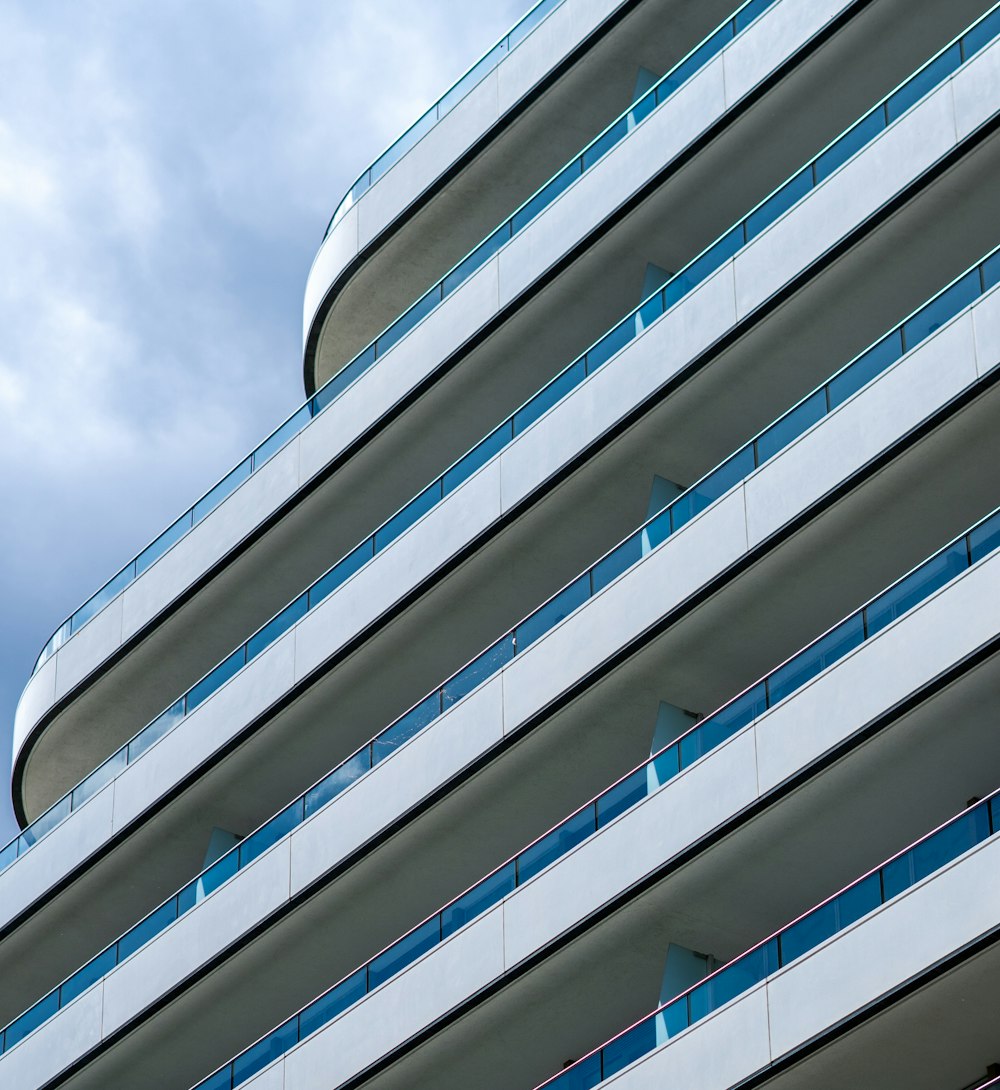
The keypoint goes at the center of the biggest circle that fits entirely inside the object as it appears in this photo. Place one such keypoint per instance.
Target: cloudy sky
(166, 174)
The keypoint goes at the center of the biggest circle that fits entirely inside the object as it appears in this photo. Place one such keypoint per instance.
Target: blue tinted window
(809, 932)
(605, 142)
(722, 725)
(546, 398)
(271, 833)
(278, 625)
(622, 796)
(486, 665)
(404, 519)
(734, 980)
(221, 1080)
(481, 897)
(942, 309)
(747, 14)
(612, 342)
(404, 952)
(808, 663)
(924, 81)
(991, 268)
(31, 1020)
(627, 1048)
(851, 142)
(406, 727)
(258, 1056)
(216, 679)
(618, 560)
(877, 359)
(916, 587)
(478, 456)
(583, 1076)
(858, 900)
(560, 607)
(982, 34)
(779, 202)
(984, 539)
(206, 883)
(949, 843)
(82, 979)
(674, 1018)
(791, 426)
(335, 1002)
(340, 778)
(342, 571)
(148, 929)
(556, 844)
(545, 196)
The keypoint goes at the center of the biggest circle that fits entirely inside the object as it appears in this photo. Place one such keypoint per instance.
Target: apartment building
(596, 679)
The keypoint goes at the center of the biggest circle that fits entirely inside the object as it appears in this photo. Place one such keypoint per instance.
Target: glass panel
(339, 383)
(791, 426)
(335, 1002)
(991, 266)
(477, 457)
(99, 778)
(982, 34)
(623, 333)
(627, 1048)
(618, 560)
(477, 671)
(82, 979)
(216, 679)
(546, 195)
(163, 724)
(808, 932)
(403, 324)
(604, 143)
(556, 844)
(404, 952)
(271, 833)
(916, 587)
(924, 81)
(221, 1080)
(734, 980)
(851, 142)
(972, 828)
(877, 359)
(476, 260)
(747, 14)
(942, 309)
(642, 109)
(583, 1076)
(858, 900)
(713, 487)
(8, 854)
(157, 548)
(813, 660)
(722, 725)
(984, 539)
(274, 442)
(778, 203)
(478, 900)
(704, 266)
(224, 488)
(341, 571)
(277, 626)
(554, 611)
(703, 54)
(31, 1020)
(403, 520)
(406, 727)
(195, 892)
(547, 397)
(264, 1052)
(622, 796)
(95, 604)
(45, 823)
(674, 1018)
(147, 929)
(338, 780)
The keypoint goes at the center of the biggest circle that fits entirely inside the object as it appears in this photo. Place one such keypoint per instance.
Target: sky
(167, 171)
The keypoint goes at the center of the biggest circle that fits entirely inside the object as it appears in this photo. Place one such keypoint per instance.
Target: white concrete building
(597, 679)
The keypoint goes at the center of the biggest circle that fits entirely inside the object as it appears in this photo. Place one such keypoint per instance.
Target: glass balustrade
(653, 774)
(926, 857)
(608, 139)
(886, 351)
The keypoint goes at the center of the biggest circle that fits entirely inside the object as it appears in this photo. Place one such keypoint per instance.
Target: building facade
(596, 679)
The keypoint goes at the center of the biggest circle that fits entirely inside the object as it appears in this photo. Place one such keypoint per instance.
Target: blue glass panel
(605, 142)
(958, 836)
(618, 560)
(276, 626)
(665, 765)
(340, 381)
(850, 143)
(404, 519)
(82, 979)
(916, 587)
(556, 390)
(991, 271)
(897, 875)
(95, 604)
(981, 34)
(704, 53)
(622, 796)
(404, 952)
(208, 882)
(627, 1048)
(8, 854)
(476, 260)
(147, 929)
(530, 21)
(339, 779)
(985, 538)
(746, 15)
(157, 548)
(915, 89)
(277, 439)
(995, 813)
(272, 832)
(478, 456)
(31, 1020)
(622, 334)
(657, 530)
(336, 1001)
(546, 195)
(674, 1018)
(642, 109)
(722, 725)
(734, 980)
(409, 724)
(100, 777)
(405, 322)
(809, 932)
(877, 359)
(486, 665)
(224, 488)
(791, 426)
(941, 309)
(258, 1056)
(556, 844)
(555, 610)
(341, 571)
(714, 258)
(778, 203)
(485, 895)
(858, 900)
(45, 823)
(216, 679)
(163, 724)
(714, 486)
(647, 313)
(221, 1080)
(583, 1076)
(815, 658)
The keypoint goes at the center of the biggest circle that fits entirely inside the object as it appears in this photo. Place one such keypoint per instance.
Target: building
(597, 677)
